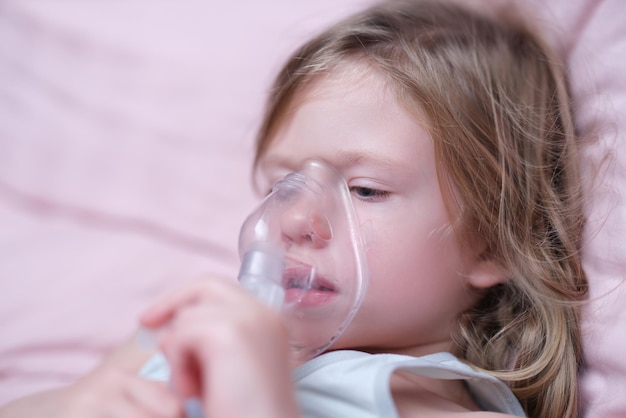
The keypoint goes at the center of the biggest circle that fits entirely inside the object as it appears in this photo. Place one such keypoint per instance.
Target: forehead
(355, 124)
(347, 72)
(352, 106)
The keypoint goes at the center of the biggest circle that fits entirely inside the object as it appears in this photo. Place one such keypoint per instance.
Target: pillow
(596, 57)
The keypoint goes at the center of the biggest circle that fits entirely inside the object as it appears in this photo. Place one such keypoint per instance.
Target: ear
(487, 273)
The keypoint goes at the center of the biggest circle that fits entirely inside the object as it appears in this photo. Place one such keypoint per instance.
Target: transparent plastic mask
(302, 253)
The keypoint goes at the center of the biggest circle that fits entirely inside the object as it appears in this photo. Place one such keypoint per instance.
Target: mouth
(305, 286)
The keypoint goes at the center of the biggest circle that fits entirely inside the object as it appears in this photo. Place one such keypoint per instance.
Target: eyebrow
(353, 158)
(343, 159)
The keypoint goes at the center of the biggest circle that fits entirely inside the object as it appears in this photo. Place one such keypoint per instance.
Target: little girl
(455, 137)
(454, 134)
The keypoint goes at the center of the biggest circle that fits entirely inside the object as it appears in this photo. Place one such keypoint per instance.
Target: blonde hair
(497, 106)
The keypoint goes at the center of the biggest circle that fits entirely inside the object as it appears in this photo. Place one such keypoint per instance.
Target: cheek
(414, 258)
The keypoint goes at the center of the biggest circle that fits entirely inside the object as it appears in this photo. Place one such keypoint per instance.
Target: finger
(181, 350)
(163, 310)
(133, 353)
(207, 290)
(121, 409)
(186, 375)
(205, 332)
(152, 399)
(109, 392)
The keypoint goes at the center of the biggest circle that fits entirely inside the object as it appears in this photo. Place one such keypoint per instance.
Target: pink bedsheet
(126, 134)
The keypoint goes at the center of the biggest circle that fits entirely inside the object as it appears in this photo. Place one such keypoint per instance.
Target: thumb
(130, 356)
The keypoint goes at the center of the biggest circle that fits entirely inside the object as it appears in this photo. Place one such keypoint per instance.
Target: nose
(304, 225)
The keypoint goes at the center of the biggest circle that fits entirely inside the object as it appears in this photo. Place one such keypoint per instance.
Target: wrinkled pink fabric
(597, 62)
(126, 134)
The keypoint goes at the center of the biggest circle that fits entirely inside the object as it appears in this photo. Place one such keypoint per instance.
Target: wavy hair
(497, 106)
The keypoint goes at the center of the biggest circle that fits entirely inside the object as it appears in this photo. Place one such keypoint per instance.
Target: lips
(305, 287)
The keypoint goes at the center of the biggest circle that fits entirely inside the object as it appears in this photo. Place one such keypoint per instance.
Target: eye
(368, 193)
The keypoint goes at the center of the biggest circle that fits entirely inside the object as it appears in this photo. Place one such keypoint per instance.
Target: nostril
(303, 223)
(320, 226)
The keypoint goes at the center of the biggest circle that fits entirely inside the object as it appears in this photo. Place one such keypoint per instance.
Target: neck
(415, 351)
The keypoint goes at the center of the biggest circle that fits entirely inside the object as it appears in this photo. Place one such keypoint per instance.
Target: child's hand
(227, 348)
(109, 391)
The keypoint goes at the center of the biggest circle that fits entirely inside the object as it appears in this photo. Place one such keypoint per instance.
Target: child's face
(419, 278)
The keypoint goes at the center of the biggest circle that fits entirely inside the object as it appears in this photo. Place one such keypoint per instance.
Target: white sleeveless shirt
(353, 384)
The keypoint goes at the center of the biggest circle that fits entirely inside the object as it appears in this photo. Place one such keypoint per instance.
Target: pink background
(126, 133)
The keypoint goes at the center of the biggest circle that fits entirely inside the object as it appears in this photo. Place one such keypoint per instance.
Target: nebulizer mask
(303, 254)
